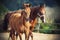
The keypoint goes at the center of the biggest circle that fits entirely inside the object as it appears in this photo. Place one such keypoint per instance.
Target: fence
(47, 28)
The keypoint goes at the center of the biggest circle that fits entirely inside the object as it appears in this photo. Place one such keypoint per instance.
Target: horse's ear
(42, 5)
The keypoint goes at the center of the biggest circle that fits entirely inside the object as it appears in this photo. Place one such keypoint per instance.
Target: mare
(36, 11)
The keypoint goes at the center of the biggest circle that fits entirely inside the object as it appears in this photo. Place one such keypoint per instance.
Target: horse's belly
(21, 29)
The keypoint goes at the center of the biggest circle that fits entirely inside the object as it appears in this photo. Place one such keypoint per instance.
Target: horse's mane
(16, 11)
(35, 7)
(34, 11)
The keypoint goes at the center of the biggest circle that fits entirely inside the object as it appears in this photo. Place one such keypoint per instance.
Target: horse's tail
(6, 21)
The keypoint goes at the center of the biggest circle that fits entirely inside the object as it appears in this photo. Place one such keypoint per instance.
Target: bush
(48, 28)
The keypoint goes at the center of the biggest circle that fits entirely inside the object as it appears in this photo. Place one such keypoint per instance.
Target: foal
(26, 22)
(17, 23)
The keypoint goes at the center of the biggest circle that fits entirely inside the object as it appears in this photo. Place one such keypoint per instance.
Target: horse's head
(41, 12)
(38, 11)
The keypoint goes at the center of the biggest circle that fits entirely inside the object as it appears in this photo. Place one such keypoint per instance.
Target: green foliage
(3, 11)
(47, 28)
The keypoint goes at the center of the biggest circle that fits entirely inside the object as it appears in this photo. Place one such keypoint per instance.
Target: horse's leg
(13, 37)
(12, 34)
(27, 35)
(16, 36)
(31, 34)
(20, 36)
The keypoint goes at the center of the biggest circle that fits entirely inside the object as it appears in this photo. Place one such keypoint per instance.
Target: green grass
(48, 28)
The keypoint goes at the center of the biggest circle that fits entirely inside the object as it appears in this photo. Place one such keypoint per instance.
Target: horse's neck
(33, 13)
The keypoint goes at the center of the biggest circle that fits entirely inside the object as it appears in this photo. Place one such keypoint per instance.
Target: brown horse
(17, 23)
(36, 11)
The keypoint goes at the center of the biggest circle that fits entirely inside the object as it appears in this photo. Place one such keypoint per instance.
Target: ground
(36, 36)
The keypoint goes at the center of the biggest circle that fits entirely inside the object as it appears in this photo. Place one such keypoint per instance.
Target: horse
(17, 23)
(27, 10)
(36, 11)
